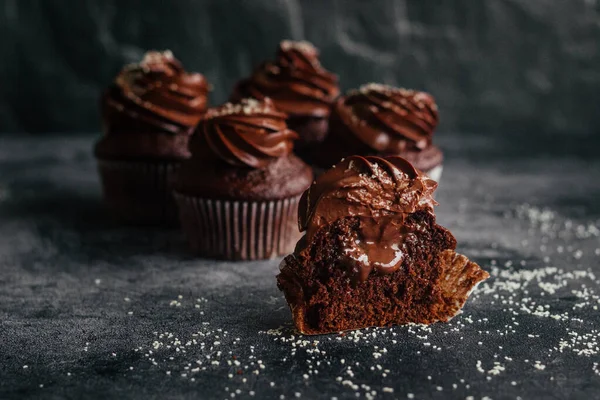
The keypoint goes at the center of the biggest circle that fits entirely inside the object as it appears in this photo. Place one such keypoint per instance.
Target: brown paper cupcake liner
(239, 230)
(139, 192)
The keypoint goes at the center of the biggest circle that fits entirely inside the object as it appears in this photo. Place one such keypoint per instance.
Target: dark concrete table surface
(89, 309)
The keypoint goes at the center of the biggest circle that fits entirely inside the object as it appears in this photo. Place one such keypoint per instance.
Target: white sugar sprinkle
(247, 106)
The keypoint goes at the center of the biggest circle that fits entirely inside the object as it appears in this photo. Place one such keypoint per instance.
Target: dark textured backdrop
(521, 66)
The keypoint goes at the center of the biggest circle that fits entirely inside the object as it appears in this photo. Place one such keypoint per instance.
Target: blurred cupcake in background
(238, 194)
(299, 86)
(383, 120)
(148, 115)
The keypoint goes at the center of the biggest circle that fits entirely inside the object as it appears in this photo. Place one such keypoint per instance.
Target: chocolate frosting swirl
(296, 81)
(380, 192)
(248, 134)
(389, 120)
(156, 95)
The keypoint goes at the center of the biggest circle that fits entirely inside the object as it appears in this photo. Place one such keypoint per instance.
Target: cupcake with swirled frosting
(148, 115)
(238, 194)
(299, 86)
(383, 120)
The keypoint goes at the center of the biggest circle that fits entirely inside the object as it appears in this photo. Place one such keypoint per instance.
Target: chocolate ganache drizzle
(296, 81)
(387, 119)
(250, 133)
(380, 192)
(156, 95)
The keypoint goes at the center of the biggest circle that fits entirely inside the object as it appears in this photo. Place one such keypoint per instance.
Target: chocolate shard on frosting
(372, 254)
(295, 81)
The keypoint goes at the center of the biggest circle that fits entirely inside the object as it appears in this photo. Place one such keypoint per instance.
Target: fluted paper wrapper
(139, 192)
(457, 279)
(239, 230)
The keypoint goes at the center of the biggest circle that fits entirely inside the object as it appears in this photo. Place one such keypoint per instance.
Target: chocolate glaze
(380, 192)
(156, 95)
(296, 81)
(250, 133)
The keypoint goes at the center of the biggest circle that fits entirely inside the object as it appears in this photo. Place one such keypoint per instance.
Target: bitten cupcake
(299, 86)
(238, 194)
(383, 120)
(373, 253)
(148, 114)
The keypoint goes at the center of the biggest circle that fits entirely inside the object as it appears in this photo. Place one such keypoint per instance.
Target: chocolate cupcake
(373, 254)
(238, 194)
(148, 115)
(383, 120)
(299, 86)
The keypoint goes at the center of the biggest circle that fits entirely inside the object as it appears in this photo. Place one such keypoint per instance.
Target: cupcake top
(295, 81)
(380, 192)
(389, 120)
(244, 151)
(250, 134)
(156, 95)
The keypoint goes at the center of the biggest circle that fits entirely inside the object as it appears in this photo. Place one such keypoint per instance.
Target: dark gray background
(498, 66)
(81, 297)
